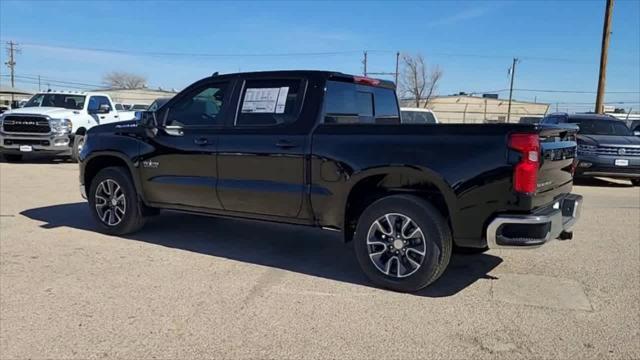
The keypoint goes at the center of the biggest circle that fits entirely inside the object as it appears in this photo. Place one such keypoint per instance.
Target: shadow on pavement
(39, 159)
(601, 182)
(294, 248)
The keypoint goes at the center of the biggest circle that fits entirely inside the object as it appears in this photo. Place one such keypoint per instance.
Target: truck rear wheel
(114, 202)
(402, 243)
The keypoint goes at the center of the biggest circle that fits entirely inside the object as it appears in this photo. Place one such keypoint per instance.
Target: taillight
(525, 174)
(366, 81)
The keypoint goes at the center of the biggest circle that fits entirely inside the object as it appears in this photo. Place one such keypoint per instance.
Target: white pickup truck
(55, 123)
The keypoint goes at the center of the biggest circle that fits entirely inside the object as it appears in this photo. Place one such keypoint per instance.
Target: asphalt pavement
(192, 287)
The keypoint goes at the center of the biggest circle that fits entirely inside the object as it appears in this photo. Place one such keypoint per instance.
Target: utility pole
(364, 62)
(602, 79)
(12, 49)
(397, 63)
(38, 82)
(513, 73)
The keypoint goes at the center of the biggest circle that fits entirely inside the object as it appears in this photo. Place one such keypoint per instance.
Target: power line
(58, 81)
(319, 53)
(154, 53)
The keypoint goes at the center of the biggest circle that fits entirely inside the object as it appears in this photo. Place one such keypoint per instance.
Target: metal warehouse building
(137, 96)
(9, 94)
(476, 110)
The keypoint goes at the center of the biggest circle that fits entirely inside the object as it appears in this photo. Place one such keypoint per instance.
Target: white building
(476, 110)
(137, 96)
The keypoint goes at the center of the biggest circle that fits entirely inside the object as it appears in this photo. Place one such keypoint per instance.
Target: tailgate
(558, 151)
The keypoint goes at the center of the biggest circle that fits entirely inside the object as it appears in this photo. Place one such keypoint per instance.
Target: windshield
(417, 117)
(67, 101)
(601, 127)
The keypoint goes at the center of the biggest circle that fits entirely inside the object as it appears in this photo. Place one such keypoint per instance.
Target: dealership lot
(189, 286)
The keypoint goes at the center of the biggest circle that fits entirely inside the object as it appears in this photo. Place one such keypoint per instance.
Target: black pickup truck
(327, 149)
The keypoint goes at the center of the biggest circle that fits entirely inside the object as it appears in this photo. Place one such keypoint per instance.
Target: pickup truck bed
(327, 149)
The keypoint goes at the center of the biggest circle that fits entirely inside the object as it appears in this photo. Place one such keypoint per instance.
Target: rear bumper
(533, 230)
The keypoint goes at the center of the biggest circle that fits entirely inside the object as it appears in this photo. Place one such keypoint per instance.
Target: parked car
(55, 123)
(139, 107)
(530, 119)
(606, 146)
(327, 149)
(417, 116)
(635, 127)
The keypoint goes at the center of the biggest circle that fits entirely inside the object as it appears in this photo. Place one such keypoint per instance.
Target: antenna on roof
(214, 74)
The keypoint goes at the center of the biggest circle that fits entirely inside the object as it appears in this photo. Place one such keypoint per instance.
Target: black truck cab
(327, 149)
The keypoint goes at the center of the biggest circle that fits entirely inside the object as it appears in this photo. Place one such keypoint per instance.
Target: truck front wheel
(78, 143)
(402, 243)
(114, 202)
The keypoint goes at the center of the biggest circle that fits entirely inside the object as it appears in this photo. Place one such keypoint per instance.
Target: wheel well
(98, 163)
(81, 131)
(372, 188)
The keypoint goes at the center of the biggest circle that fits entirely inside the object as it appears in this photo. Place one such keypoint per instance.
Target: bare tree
(124, 80)
(418, 82)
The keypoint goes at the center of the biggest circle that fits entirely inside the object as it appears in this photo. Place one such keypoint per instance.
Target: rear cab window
(350, 103)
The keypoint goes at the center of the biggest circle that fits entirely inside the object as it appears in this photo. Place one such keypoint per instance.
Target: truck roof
(321, 73)
(69, 92)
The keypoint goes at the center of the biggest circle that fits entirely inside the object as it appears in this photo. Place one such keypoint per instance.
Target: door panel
(180, 166)
(181, 172)
(261, 153)
(261, 174)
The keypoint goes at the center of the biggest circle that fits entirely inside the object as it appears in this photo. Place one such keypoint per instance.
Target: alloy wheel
(111, 203)
(396, 245)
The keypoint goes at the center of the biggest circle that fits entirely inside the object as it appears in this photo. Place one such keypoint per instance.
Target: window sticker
(265, 100)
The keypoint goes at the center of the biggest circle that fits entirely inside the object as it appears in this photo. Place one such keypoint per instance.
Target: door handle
(285, 144)
(102, 117)
(201, 141)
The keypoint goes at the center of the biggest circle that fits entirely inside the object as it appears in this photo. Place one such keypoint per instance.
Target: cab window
(96, 101)
(203, 107)
(270, 102)
(347, 103)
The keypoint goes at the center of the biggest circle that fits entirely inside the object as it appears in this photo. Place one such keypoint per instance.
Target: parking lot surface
(192, 287)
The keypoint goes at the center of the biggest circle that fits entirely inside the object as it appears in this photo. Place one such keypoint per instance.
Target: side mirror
(104, 109)
(146, 119)
(636, 133)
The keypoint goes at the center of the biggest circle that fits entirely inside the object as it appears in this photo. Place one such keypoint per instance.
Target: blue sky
(472, 41)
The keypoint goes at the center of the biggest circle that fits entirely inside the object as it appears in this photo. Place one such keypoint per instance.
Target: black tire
(78, 142)
(437, 242)
(635, 182)
(12, 157)
(131, 219)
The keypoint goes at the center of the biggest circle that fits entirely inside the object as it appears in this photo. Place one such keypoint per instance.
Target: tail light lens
(525, 175)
